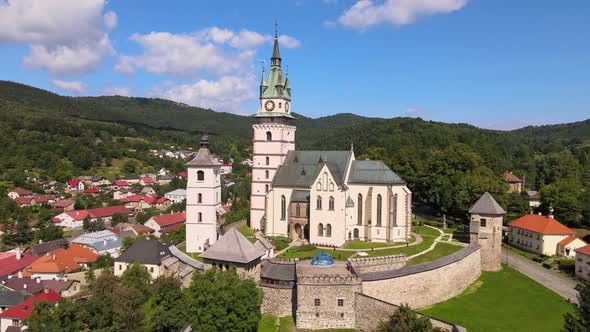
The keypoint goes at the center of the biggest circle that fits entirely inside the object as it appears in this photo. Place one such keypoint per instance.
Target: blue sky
(495, 64)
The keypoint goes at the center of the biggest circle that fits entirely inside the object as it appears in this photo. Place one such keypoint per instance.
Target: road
(558, 283)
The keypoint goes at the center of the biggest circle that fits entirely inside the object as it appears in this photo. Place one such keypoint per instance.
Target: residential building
(102, 242)
(131, 179)
(75, 185)
(121, 184)
(10, 298)
(159, 260)
(538, 234)
(166, 223)
(162, 203)
(25, 201)
(75, 219)
(59, 262)
(567, 246)
(148, 191)
(583, 262)
(99, 181)
(126, 230)
(64, 205)
(65, 288)
(226, 169)
(176, 196)
(94, 191)
(14, 316)
(534, 198)
(138, 202)
(13, 262)
(146, 181)
(164, 179)
(203, 202)
(42, 248)
(122, 193)
(514, 182)
(19, 192)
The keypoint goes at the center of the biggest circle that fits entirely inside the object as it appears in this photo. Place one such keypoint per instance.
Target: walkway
(434, 243)
(558, 283)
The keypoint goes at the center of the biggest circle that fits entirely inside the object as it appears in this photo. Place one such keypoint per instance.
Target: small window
(200, 198)
(280, 105)
(331, 186)
(283, 207)
(266, 188)
(340, 302)
(482, 222)
(331, 204)
(328, 230)
(316, 302)
(341, 315)
(120, 267)
(320, 229)
(268, 136)
(319, 186)
(200, 217)
(200, 176)
(266, 174)
(298, 210)
(319, 203)
(267, 161)
(152, 269)
(317, 315)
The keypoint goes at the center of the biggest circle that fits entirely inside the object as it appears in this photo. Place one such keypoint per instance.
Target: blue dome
(322, 259)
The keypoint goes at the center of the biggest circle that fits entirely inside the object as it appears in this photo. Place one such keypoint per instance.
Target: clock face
(269, 105)
(287, 106)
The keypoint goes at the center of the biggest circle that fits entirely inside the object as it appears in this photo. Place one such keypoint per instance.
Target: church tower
(203, 199)
(485, 229)
(274, 134)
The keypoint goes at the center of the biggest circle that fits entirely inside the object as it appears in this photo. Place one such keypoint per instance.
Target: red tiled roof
(121, 183)
(23, 200)
(62, 260)
(10, 265)
(170, 219)
(568, 240)
(541, 224)
(136, 198)
(40, 200)
(161, 200)
(508, 176)
(147, 180)
(63, 203)
(92, 190)
(24, 309)
(107, 211)
(170, 228)
(77, 214)
(584, 250)
(74, 182)
(183, 174)
(22, 192)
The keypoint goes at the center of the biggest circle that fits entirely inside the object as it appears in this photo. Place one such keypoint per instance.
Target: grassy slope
(504, 301)
(442, 249)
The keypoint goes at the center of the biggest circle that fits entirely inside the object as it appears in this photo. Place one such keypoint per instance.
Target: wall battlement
(328, 280)
(373, 264)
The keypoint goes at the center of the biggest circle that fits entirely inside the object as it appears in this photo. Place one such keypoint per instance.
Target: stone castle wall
(381, 263)
(278, 300)
(428, 283)
(371, 311)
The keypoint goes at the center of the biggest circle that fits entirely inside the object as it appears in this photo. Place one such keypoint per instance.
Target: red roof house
(64, 203)
(92, 190)
(183, 175)
(542, 225)
(24, 201)
(73, 183)
(19, 192)
(166, 222)
(13, 262)
(23, 310)
(121, 183)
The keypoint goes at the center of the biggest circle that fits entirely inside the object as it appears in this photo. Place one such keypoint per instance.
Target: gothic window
(360, 210)
(268, 136)
(356, 233)
(266, 188)
(331, 186)
(200, 198)
(283, 207)
(200, 176)
(280, 105)
(298, 210)
(320, 229)
(266, 173)
(319, 186)
(379, 207)
(200, 217)
(319, 203)
(267, 161)
(328, 230)
(325, 181)
(331, 204)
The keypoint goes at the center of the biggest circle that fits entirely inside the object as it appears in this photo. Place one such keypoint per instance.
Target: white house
(103, 242)
(176, 196)
(583, 262)
(538, 234)
(165, 223)
(567, 246)
(226, 169)
(19, 192)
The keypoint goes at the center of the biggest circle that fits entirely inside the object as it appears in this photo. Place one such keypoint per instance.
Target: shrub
(307, 247)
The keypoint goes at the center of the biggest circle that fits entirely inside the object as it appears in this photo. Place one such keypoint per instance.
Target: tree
(92, 226)
(405, 319)
(579, 321)
(221, 301)
(22, 234)
(166, 308)
(49, 317)
(136, 276)
(47, 231)
(79, 204)
(119, 218)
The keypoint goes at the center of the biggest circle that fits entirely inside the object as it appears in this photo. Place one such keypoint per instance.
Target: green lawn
(339, 255)
(358, 244)
(504, 301)
(193, 255)
(442, 249)
(267, 324)
(425, 231)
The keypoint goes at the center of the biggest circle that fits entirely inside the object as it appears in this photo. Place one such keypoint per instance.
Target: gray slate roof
(372, 171)
(486, 204)
(145, 252)
(186, 258)
(278, 271)
(177, 192)
(301, 196)
(233, 247)
(10, 298)
(204, 158)
(301, 168)
(43, 248)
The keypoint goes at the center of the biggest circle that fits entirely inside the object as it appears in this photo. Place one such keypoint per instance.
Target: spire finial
(276, 28)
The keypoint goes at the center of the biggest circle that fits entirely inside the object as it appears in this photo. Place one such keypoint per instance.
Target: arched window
(200, 176)
(319, 186)
(200, 217)
(331, 204)
(356, 233)
(320, 229)
(360, 210)
(266, 173)
(268, 136)
(379, 206)
(266, 188)
(318, 205)
(325, 181)
(328, 230)
(200, 198)
(283, 207)
(298, 210)
(267, 161)
(280, 105)
(331, 186)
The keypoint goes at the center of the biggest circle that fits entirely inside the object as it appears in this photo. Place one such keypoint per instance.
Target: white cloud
(226, 94)
(71, 86)
(289, 42)
(247, 39)
(117, 91)
(366, 13)
(181, 55)
(58, 32)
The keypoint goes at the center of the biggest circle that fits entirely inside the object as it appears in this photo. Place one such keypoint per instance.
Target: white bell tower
(203, 199)
(274, 134)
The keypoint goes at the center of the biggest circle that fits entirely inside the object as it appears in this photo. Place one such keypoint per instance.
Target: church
(325, 197)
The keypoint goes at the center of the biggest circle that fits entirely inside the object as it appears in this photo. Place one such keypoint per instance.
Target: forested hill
(445, 165)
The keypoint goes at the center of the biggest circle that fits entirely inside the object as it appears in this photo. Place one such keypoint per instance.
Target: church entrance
(298, 231)
(306, 232)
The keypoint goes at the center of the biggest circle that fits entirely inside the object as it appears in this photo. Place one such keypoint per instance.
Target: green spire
(275, 60)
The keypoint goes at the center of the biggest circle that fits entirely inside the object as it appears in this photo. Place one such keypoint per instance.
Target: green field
(442, 249)
(504, 301)
(268, 324)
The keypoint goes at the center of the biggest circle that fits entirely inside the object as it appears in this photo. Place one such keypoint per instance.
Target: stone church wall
(441, 279)
(278, 300)
(371, 311)
(381, 263)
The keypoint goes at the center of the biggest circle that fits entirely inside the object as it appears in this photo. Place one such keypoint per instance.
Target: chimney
(18, 253)
(53, 257)
(105, 242)
(20, 274)
(25, 286)
(38, 280)
(40, 241)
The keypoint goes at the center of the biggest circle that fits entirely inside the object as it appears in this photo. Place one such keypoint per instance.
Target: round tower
(485, 229)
